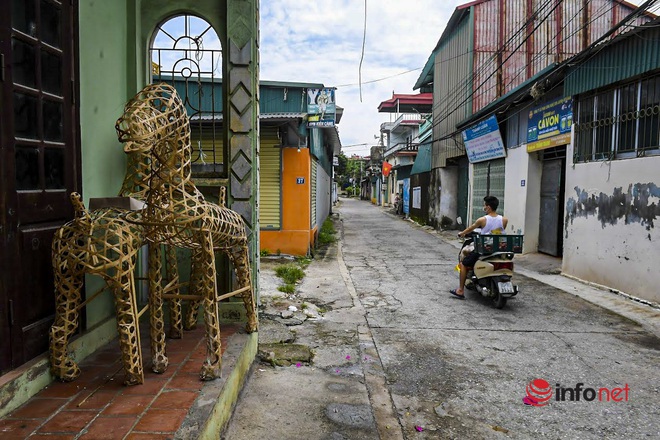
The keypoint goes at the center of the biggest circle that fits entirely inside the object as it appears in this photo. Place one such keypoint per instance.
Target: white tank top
(494, 225)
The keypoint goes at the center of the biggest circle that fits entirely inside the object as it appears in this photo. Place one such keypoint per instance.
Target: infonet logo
(539, 393)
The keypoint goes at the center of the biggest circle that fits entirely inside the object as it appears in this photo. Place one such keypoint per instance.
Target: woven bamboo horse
(135, 184)
(155, 121)
(100, 242)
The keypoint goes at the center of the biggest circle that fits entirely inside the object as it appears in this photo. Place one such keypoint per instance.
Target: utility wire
(495, 71)
(535, 58)
(520, 32)
(364, 39)
(379, 79)
(510, 85)
(633, 15)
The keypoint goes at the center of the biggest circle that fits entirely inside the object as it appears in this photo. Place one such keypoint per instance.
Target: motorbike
(492, 274)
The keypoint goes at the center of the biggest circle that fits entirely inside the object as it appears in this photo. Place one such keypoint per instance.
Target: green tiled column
(242, 114)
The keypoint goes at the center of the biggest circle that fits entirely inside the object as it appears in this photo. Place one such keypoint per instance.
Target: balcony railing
(405, 119)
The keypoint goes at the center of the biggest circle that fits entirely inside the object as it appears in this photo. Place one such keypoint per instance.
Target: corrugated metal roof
(573, 40)
(426, 77)
(406, 103)
(628, 55)
(422, 161)
(511, 96)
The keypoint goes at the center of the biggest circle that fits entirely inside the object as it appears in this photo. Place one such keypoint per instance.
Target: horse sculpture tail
(79, 207)
(82, 216)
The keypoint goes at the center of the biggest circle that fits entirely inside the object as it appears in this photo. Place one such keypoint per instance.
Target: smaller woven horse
(99, 242)
(155, 121)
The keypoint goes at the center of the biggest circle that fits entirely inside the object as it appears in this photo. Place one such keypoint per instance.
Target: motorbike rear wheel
(499, 300)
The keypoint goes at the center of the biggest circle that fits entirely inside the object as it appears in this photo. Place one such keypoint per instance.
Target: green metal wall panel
(626, 58)
(452, 84)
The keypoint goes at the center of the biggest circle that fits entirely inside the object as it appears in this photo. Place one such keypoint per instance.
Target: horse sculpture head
(155, 121)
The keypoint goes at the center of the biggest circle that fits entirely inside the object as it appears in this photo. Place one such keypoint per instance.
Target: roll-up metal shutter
(270, 181)
(206, 148)
(315, 165)
(488, 179)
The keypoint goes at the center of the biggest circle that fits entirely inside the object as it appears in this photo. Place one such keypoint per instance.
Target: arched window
(186, 52)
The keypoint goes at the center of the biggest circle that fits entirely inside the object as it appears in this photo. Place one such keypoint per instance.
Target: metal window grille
(186, 53)
(619, 122)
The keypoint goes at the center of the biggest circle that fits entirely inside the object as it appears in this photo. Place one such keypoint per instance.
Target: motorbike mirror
(459, 220)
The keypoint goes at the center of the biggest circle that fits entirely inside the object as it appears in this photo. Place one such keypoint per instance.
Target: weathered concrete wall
(448, 194)
(523, 203)
(610, 235)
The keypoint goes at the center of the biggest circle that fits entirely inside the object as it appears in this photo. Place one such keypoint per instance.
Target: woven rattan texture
(155, 123)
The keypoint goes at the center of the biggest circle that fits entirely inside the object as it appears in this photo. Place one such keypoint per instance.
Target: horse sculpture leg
(123, 285)
(212, 364)
(172, 277)
(239, 257)
(194, 289)
(159, 360)
(68, 288)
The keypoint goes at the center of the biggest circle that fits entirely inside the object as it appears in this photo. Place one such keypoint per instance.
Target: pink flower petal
(419, 428)
(298, 365)
(348, 357)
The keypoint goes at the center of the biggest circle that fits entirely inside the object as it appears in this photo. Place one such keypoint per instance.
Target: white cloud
(322, 42)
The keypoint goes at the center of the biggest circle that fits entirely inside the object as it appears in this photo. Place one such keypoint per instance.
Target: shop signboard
(549, 125)
(484, 141)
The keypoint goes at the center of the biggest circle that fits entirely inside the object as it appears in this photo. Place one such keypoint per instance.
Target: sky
(321, 42)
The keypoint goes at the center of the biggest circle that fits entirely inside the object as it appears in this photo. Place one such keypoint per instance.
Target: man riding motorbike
(491, 223)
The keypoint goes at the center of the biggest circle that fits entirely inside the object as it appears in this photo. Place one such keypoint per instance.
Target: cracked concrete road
(392, 340)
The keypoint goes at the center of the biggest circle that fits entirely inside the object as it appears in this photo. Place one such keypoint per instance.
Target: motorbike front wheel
(499, 300)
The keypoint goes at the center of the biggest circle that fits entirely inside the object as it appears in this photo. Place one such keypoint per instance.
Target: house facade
(488, 49)
(296, 183)
(295, 161)
(612, 200)
(400, 138)
(582, 142)
(68, 69)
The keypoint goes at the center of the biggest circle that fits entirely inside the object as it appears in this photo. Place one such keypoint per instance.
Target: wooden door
(39, 152)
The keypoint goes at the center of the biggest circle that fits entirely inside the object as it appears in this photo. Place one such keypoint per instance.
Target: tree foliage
(349, 171)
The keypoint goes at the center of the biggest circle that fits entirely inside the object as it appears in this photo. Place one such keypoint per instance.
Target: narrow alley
(447, 368)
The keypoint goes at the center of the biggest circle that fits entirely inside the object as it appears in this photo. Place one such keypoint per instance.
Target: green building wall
(104, 70)
(114, 39)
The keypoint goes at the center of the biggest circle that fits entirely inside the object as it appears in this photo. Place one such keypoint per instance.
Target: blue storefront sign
(484, 141)
(549, 125)
(406, 196)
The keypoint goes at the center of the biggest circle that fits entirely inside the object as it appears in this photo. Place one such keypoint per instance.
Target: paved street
(399, 357)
